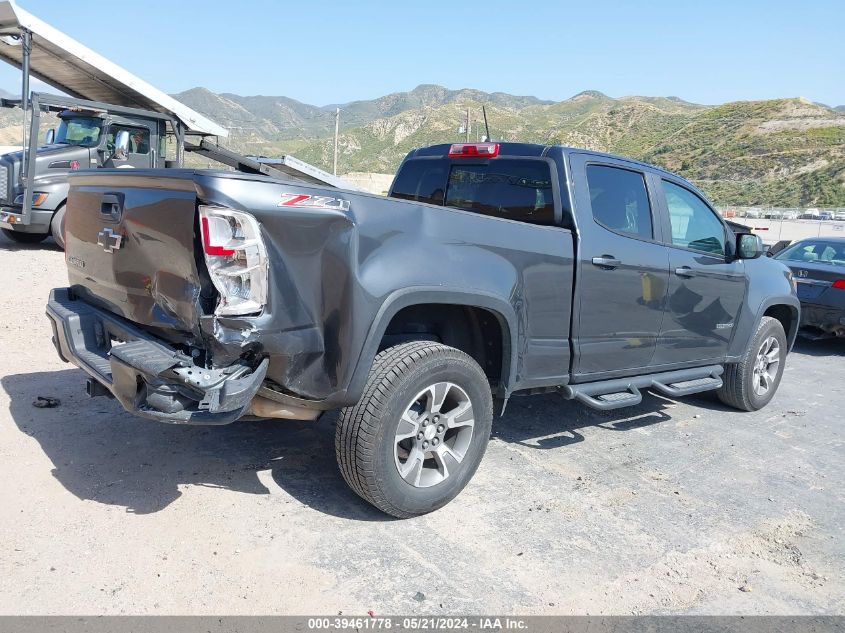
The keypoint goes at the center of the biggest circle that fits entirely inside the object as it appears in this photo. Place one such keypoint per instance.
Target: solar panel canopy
(60, 61)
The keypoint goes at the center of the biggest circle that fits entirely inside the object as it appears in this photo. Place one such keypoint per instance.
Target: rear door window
(619, 200)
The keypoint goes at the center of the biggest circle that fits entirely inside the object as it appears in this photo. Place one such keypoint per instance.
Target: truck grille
(4, 184)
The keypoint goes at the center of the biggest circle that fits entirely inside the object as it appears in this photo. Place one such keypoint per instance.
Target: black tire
(365, 440)
(57, 227)
(738, 380)
(25, 238)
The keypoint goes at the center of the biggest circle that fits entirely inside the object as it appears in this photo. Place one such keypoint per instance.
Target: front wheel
(750, 384)
(418, 434)
(57, 227)
(24, 238)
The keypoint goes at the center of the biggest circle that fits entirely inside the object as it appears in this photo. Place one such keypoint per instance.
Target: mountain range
(780, 152)
(283, 118)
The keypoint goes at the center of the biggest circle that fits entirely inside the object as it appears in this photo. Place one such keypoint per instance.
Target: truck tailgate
(130, 247)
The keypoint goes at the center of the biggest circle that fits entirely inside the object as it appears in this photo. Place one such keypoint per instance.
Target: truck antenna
(486, 127)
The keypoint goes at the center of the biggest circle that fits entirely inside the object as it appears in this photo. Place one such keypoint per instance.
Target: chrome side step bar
(623, 392)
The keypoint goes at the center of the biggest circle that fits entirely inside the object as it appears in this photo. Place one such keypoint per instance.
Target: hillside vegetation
(784, 152)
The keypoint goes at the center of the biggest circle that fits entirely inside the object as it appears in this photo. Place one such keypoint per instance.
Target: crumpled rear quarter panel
(334, 276)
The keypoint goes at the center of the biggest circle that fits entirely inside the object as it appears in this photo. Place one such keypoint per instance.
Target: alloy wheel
(433, 435)
(766, 366)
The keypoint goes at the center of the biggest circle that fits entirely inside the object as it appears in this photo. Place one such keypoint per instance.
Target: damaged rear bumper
(147, 376)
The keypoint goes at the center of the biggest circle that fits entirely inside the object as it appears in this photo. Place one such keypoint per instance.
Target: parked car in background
(825, 215)
(810, 214)
(839, 216)
(818, 266)
(777, 247)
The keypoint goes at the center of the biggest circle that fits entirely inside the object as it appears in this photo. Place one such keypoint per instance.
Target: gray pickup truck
(490, 270)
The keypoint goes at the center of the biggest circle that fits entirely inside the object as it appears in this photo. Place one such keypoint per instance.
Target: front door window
(139, 145)
(694, 225)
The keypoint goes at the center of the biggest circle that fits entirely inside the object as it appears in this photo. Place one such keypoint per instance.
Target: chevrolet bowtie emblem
(109, 240)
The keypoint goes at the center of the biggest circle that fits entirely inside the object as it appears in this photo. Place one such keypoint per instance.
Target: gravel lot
(669, 507)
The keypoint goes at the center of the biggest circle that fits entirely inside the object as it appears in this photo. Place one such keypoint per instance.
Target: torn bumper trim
(147, 376)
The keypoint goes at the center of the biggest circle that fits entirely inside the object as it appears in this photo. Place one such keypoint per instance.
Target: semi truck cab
(89, 136)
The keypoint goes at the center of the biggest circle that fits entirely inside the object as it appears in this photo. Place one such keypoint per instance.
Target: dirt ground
(669, 507)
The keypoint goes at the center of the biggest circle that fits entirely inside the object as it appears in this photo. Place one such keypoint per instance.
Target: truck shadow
(47, 245)
(549, 421)
(102, 454)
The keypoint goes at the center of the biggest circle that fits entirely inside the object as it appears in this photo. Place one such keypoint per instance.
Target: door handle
(606, 261)
(111, 206)
(685, 271)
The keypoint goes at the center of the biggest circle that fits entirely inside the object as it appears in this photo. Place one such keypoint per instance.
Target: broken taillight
(236, 259)
(212, 244)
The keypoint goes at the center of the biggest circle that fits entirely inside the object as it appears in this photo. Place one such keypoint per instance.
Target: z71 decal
(313, 202)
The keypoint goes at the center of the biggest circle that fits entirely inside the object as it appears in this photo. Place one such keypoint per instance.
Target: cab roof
(536, 149)
(532, 149)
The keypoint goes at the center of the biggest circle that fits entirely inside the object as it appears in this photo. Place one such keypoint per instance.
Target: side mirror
(121, 145)
(748, 246)
(50, 136)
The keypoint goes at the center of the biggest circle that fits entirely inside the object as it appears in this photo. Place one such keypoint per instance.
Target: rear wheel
(57, 227)
(25, 238)
(751, 383)
(419, 432)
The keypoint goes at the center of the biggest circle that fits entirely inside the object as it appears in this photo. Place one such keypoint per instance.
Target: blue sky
(324, 52)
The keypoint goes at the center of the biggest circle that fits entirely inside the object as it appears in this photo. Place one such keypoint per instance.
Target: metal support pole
(179, 132)
(26, 48)
(28, 152)
(336, 130)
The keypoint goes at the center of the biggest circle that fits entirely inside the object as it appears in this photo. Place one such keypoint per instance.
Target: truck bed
(341, 266)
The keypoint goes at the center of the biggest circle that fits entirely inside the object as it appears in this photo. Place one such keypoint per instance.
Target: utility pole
(336, 129)
(467, 127)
